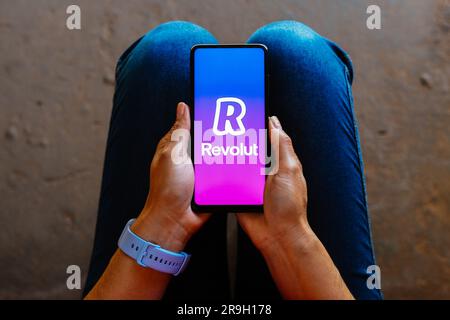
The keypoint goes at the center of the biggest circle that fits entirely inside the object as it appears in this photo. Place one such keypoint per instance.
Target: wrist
(300, 240)
(159, 228)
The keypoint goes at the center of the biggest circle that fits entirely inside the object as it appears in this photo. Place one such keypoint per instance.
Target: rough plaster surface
(56, 89)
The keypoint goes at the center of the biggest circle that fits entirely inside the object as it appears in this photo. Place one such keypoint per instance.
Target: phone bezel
(226, 208)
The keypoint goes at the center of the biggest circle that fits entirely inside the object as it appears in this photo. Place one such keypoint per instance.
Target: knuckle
(166, 152)
(299, 165)
(286, 139)
(293, 167)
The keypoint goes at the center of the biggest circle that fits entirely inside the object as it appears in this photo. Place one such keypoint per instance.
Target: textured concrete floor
(55, 99)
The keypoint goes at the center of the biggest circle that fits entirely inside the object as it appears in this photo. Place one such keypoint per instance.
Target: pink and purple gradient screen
(228, 72)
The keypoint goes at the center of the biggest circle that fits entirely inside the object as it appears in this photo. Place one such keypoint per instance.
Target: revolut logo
(228, 120)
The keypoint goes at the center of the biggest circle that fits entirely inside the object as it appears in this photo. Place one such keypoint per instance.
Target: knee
(177, 35)
(284, 32)
(288, 37)
(295, 46)
(167, 47)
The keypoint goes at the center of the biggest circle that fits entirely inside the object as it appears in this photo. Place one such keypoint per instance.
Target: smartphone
(229, 127)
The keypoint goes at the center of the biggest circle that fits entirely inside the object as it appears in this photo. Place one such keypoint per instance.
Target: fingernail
(275, 122)
(180, 110)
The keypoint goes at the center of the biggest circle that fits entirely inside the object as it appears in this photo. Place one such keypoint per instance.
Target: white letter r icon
(226, 119)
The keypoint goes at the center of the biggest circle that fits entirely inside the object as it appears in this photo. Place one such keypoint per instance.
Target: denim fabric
(310, 92)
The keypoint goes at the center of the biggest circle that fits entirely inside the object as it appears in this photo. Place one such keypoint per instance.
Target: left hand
(167, 218)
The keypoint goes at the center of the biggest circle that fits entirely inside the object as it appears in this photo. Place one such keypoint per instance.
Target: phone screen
(229, 125)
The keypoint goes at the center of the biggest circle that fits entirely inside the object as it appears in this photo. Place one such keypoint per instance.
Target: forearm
(302, 269)
(125, 279)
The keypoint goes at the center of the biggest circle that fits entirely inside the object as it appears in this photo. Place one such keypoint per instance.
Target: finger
(203, 217)
(200, 217)
(283, 149)
(251, 221)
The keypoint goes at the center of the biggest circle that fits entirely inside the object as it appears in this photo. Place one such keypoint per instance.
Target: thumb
(178, 137)
(183, 120)
(282, 148)
(179, 129)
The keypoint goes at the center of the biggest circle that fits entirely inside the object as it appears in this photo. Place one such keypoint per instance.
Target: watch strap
(150, 255)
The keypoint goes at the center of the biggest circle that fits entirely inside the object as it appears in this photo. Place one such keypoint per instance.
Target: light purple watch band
(150, 255)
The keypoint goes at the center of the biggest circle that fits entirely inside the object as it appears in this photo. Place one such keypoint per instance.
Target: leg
(152, 76)
(310, 91)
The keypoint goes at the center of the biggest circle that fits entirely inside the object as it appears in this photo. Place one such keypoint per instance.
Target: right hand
(285, 199)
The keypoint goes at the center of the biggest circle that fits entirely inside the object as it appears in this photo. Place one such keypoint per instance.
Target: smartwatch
(150, 255)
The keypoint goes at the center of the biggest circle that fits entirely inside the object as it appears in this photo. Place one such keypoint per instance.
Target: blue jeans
(310, 92)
